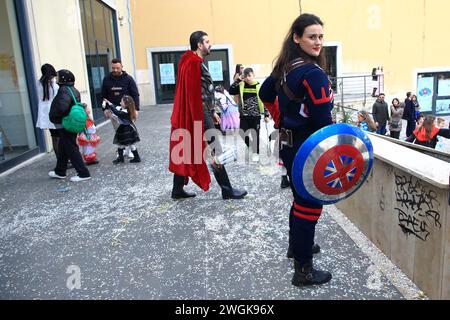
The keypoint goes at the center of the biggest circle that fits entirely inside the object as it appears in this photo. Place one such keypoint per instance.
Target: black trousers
(252, 123)
(410, 127)
(211, 133)
(395, 134)
(68, 149)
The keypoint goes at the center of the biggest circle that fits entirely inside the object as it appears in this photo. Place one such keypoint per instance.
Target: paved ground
(126, 239)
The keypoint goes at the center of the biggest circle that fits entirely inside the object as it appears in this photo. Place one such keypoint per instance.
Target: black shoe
(181, 194)
(120, 158)
(285, 182)
(228, 192)
(290, 251)
(231, 193)
(136, 157)
(306, 275)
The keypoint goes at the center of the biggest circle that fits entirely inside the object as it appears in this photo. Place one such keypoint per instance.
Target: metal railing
(357, 89)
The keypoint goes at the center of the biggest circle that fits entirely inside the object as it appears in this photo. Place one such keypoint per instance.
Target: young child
(365, 122)
(126, 132)
(441, 141)
(229, 109)
(88, 139)
(250, 110)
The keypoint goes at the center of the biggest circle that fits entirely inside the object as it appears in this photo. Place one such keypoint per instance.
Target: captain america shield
(332, 164)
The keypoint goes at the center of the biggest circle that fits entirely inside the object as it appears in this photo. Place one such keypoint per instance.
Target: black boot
(285, 182)
(177, 190)
(136, 157)
(120, 158)
(228, 192)
(306, 275)
(290, 251)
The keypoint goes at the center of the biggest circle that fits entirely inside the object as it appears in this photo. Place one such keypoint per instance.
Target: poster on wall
(215, 69)
(444, 87)
(443, 106)
(425, 89)
(167, 73)
(98, 73)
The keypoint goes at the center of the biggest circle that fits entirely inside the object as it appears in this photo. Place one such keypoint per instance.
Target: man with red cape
(193, 115)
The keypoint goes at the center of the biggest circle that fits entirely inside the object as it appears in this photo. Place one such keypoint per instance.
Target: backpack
(75, 121)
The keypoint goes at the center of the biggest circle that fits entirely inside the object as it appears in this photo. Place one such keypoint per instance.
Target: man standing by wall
(409, 115)
(115, 85)
(380, 114)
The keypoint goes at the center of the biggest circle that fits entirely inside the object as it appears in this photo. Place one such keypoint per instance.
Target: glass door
(165, 70)
(17, 126)
(100, 46)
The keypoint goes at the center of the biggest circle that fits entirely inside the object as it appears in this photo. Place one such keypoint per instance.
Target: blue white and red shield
(332, 163)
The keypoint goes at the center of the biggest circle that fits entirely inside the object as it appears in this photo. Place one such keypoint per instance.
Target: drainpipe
(130, 30)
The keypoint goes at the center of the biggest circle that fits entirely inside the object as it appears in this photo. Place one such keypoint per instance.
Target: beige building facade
(80, 35)
(405, 38)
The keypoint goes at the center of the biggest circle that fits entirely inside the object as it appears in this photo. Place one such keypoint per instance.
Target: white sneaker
(78, 179)
(255, 157)
(129, 153)
(53, 174)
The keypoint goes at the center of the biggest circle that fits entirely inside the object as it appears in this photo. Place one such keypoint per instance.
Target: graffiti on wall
(417, 207)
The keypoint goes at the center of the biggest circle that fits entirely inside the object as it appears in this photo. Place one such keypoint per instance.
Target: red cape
(186, 154)
(274, 111)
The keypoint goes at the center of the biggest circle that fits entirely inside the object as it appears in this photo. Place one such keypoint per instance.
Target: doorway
(101, 46)
(165, 69)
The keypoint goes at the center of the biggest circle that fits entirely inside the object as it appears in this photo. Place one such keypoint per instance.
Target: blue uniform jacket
(311, 83)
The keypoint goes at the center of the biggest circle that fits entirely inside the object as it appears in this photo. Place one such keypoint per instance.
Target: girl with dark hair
(305, 101)
(47, 90)
(426, 135)
(126, 134)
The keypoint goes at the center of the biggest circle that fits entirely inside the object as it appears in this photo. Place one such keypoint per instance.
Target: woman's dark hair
(196, 38)
(238, 68)
(291, 50)
(428, 125)
(48, 73)
(395, 99)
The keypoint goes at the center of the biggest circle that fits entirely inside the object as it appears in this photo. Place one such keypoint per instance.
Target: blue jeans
(381, 129)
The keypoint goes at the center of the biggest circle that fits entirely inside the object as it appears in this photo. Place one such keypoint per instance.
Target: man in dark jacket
(116, 85)
(409, 115)
(380, 114)
(67, 145)
(119, 83)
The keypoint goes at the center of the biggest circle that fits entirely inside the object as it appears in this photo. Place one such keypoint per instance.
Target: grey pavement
(120, 236)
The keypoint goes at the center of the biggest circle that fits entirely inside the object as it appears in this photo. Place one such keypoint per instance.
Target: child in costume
(229, 109)
(88, 140)
(126, 134)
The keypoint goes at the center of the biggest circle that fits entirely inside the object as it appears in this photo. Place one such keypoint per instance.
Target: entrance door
(165, 70)
(99, 33)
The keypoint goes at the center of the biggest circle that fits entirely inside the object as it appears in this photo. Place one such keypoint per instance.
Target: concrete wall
(406, 215)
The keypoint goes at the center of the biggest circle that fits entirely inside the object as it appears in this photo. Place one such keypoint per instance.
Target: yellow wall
(253, 27)
(58, 39)
(400, 35)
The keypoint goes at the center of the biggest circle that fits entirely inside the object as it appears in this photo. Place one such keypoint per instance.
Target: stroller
(229, 109)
